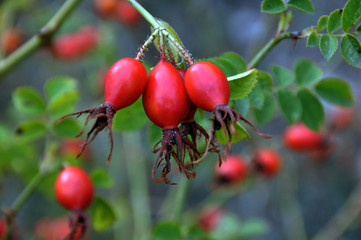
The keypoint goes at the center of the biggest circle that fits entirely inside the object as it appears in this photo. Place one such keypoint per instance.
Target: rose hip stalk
(123, 85)
(166, 104)
(190, 128)
(208, 89)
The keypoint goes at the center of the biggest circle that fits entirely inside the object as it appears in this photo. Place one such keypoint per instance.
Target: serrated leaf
(31, 130)
(256, 97)
(313, 40)
(313, 114)
(101, 178)
(166, 231)
(67, 128)
(273, 6)
(265, 81)
(63, 103)
(242, 84)
(322, 23)
(236, 60)
(351, 14)
(102, 214)
(334, 21)
(290, 105)
(265, 114)
(351, 50)
(335, 90)
(172, 51)
(307, 72)
(241, 134)
(28, 100)
(305, 6)
(130, 118)
(282, 76)
(242, 105)
(328, 45)
(225, 65)
(58, 85)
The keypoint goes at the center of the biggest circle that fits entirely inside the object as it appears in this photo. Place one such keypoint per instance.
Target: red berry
(105, 8)
(127, 14)
(233, 170)
(190, 116)
(165, 99)
(10, 40)
(207, 86)
(2, 227)
(124, 83)
(300, 138)
(267, 161)
(74, 188)
(342, 117)
(210, 217)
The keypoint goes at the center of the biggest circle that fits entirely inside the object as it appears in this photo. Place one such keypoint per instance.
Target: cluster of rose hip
(171, 97)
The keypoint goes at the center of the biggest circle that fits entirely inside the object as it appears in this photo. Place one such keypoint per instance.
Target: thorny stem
(152, 21)
(146, 44)
(39, 39)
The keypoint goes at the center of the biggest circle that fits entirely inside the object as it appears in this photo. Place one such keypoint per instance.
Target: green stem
(343, 218)
(267, 48)
(139, 200)
(39, 39)
(179, 200)
(152, 21)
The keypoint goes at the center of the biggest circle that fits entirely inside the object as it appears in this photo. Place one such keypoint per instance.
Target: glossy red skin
(300, 138)
(165, 99)
(105, 8)
(232, 171)
(268, 161)
(207, 85)
(74, 188)
(210, 217)
(127, 14)
(10, 40)
(124, 83)
(190, 117)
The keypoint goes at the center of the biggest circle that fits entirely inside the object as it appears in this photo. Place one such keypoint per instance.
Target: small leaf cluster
(278, 6)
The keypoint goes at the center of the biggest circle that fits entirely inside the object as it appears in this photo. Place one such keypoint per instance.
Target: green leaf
(335, 90)
(256, 97)
(101, 178)
(322, 23)
(63, 103)
(351, 50)
(196, 233)
(242, 106)
(242, 84)
(241, 134)
(265, 81)
(358, 30)
(166, 231)
(328, 45)
(252, 228)
(313, 114)
(130, 118)
(265, 114)
(273, 6)
(334, 21)
(31, 130)
(236, 60)
(290, 105)
(225, 65)
(67, 128)
(28, 100)
(313, 40)
(172, 52)
(102, 214)
(282, 76)
(305, 6)
(307, 72)
(58, 85)
(351, 14)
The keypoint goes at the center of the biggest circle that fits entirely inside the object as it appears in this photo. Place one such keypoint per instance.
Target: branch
(39, 39)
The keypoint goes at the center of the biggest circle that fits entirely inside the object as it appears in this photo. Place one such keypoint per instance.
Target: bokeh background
(295, 204)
